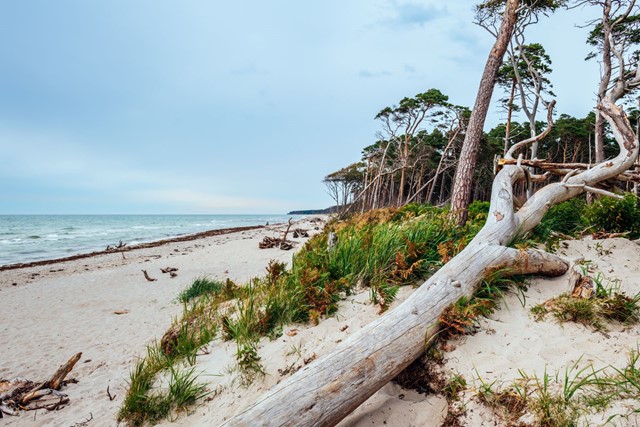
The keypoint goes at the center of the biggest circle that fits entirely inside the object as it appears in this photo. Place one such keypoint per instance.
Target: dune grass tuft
(201, 286)
(608, 304)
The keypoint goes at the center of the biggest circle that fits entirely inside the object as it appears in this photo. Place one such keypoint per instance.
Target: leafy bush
(615, 215)
(379, 249)
(605, 214)
(478, 210)
(566, 217)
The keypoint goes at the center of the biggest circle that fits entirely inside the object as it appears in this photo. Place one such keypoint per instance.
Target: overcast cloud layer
(160, 106)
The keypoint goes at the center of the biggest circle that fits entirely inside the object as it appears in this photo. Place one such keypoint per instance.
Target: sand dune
(57, 310)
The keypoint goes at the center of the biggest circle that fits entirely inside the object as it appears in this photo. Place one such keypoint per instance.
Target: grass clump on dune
(568, 398)
(199, 287)
(607, 304)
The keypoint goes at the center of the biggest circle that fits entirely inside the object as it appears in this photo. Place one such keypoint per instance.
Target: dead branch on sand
(21, 395)
(146, 276)
(275, 242)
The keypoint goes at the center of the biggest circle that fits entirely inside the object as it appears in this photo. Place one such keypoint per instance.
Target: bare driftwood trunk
(324, 392)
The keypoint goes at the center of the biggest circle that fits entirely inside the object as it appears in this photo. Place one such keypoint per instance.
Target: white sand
(57, 310)
(49, 317)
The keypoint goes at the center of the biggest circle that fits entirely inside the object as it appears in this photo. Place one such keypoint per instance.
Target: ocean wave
(11, 241)
(57, 236)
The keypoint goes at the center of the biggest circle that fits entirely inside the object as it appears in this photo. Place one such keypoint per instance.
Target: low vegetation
(606, 304)
(566, 398)
(575, 217)
(380, 251)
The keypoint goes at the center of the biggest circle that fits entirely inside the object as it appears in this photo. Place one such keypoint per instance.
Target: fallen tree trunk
(324, 392)
(327, 390)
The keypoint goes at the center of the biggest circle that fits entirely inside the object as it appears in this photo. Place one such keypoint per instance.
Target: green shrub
(615, 215)
(566, 217)
(478, 209)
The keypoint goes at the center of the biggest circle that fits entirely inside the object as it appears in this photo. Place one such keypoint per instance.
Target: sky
(167, 107)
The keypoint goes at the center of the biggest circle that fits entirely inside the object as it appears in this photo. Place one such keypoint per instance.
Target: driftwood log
(20, 394)
(300, 232)
(324, 392)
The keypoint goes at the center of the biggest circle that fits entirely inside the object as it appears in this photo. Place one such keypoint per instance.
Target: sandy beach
(104, 307)
(50, 312)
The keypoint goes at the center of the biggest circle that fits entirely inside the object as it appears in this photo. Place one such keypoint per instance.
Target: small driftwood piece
(111, 397)
(581, 286)
(146, 276)
(171, 271)
(117, 248)
(62, 372)
(599, 235)
(21, 394)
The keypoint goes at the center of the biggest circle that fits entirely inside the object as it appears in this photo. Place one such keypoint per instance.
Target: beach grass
(566, 397)
(199, 287)
(380, 250)
(607, 304)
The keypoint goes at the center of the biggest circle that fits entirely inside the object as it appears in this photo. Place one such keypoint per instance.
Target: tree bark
(469, 154)
(604, 83)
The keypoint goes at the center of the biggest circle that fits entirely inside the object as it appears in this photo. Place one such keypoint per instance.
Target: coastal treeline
(423, 141)
(420, 167)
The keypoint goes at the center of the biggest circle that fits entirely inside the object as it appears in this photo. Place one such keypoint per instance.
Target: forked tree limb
(564, 168)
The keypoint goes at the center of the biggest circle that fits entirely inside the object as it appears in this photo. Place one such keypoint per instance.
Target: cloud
(409, 69)
(201, 200)
(413, 14)
(64, 167)
(371, 74)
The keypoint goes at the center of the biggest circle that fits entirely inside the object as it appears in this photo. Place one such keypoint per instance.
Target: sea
(28, 238)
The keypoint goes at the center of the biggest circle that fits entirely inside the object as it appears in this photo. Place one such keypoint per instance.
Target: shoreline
(146, 245)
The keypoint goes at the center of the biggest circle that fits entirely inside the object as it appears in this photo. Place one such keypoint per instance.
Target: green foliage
(615, 215)
(566, 218)
(199, 287)
(144, 405)
(380, 249)
(455, 385)
(564, 398)
(462, 316)
(574, 216)
(478, 210)
(606, 305)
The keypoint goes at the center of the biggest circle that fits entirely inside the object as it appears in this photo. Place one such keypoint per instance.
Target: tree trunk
(469, 154)
(507, 132)
(324, 392)
(604, 82)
